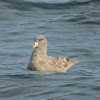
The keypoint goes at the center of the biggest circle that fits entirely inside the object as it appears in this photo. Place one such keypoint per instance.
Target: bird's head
(40, 42)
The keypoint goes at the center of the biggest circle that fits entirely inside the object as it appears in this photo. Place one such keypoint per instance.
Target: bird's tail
(71, 62)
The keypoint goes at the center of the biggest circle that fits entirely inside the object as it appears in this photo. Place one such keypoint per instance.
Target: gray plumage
(39, 60)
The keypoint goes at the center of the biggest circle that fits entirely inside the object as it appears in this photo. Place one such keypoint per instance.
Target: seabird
(40, 61)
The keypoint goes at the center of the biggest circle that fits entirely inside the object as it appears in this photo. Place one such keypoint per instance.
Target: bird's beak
(35, 45)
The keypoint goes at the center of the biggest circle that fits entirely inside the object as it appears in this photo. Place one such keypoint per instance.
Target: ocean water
(72, 27)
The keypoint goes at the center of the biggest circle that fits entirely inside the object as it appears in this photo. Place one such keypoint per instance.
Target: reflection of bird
(39, 60)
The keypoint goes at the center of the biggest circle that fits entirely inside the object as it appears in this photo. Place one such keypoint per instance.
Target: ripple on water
(71, 28)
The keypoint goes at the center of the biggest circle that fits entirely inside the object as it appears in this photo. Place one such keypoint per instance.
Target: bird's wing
(66, 62)
(69, 57)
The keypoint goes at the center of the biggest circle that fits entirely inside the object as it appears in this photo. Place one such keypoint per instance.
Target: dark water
(72, 27)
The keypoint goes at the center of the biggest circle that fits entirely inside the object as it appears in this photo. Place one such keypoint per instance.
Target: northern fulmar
(40, 61)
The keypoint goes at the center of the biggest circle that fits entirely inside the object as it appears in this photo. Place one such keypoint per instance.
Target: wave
(59, 1)
(48, 1)
(44, 4)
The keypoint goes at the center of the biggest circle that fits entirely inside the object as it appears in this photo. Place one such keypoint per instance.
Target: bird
(40, 61)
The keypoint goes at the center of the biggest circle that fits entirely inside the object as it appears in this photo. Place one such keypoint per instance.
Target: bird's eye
(40, 39)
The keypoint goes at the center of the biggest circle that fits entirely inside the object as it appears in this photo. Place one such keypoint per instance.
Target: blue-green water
(72, 27)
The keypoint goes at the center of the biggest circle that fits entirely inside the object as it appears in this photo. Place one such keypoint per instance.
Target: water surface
(72, 27)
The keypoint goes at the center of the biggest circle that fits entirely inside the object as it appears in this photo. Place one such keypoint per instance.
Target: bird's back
(61, 64)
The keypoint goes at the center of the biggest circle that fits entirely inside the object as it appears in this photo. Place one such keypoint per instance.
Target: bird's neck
(40, 51)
